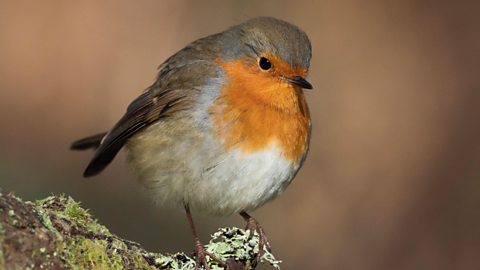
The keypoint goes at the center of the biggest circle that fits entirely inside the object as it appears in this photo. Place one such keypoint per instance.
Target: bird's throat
(255, 110)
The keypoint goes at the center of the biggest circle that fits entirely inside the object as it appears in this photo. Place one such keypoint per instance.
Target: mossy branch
(57, 233)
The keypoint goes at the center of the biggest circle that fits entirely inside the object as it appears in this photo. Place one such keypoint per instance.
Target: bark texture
(57, 233)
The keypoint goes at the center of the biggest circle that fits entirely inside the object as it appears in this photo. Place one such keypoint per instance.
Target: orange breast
(258, 108)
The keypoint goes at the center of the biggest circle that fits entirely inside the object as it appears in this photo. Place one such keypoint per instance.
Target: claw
(253, 226)
(201, 257)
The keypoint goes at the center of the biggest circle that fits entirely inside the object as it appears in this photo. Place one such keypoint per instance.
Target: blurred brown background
(392, 179)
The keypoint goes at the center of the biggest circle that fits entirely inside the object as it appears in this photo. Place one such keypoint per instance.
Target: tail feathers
(88, 142)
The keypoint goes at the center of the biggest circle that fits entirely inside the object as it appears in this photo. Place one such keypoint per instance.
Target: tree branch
(57, 233)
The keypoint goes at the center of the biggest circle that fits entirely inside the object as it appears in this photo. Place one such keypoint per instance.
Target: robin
(225, 126)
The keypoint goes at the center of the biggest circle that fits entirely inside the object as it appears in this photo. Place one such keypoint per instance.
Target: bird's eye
(264, 63)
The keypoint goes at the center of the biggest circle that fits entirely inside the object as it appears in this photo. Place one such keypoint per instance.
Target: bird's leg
(253, 226)
(200, 252)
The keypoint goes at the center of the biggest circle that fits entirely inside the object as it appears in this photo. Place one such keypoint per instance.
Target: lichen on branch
(57, 233)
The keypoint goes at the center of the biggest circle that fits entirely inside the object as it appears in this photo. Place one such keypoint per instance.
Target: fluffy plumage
(189, 136)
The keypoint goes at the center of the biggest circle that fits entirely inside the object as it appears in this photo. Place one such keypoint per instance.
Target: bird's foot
(253, 226)
(201, 257)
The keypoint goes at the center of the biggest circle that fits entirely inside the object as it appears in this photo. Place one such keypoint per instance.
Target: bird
(225, 126)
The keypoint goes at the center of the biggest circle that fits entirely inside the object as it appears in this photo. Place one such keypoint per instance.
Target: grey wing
(151, 106)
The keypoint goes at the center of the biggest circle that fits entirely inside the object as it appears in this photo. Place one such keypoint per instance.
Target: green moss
(44, 214)
(75, 211)
(80, 242)
(64, 207)
(84, 253)
(46, 221)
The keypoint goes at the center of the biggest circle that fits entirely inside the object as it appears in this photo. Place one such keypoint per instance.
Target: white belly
(196, 171)
(242, 182)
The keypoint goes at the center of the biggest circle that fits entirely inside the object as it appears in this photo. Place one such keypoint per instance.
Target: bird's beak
(300, 81)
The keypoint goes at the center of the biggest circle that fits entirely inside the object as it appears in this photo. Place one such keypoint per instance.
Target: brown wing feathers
(88, 142)
(175, 89)
(142, 112)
